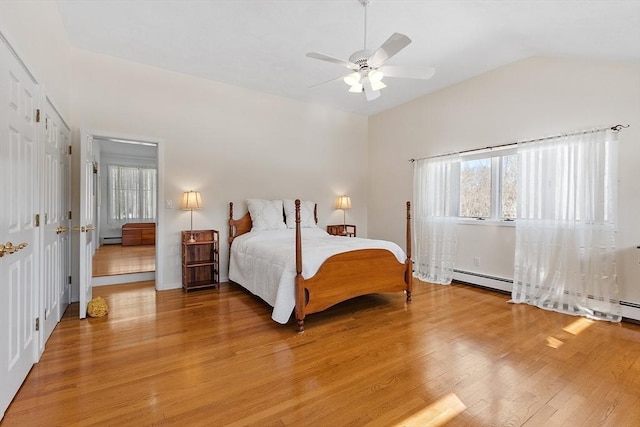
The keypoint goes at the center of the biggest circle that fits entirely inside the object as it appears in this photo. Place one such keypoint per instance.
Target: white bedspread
(264, 262)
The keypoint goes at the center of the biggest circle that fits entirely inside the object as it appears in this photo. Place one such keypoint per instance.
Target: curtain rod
(616, 128)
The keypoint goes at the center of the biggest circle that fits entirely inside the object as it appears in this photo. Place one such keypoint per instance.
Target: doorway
(126, 193)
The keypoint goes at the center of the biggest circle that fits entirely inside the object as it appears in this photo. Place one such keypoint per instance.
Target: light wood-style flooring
(215, 358)
(110, 260)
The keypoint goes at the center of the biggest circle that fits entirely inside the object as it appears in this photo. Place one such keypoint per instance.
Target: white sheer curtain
(435, 217)
(132, 194)
(566, 225)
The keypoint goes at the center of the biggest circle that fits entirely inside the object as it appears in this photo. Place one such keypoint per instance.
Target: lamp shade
(344, 202)
(375, 76)
(352, 79)
(191, 201)
(377, 85)
(357, 88)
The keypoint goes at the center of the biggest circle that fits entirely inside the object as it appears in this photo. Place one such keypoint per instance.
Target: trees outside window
(488, 187)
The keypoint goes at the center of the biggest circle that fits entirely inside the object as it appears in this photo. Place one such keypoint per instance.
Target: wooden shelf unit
(200, 259)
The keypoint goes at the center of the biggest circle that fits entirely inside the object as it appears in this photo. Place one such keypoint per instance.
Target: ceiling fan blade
(393, 45)
(369, 92)
(328, 81)
(407, 73)
(323, 57)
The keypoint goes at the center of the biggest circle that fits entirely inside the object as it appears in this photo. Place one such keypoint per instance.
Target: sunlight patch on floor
(578, 326)
(554, 342)
(574, 328)
(436, 414)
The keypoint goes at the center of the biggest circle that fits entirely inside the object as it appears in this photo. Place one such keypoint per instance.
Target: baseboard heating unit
(116, 240)
(482, 280)
(630, 310)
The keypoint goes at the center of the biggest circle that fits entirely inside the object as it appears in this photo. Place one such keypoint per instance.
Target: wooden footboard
(349, 275)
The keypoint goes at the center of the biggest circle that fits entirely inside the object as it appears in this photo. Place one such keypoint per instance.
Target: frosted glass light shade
(375, 75)
(377, 85)
(352, 79)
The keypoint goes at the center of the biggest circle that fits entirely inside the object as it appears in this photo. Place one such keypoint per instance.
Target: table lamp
(191, 201)
(344, 203)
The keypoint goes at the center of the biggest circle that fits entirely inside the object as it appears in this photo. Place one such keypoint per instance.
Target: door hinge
(37, 323)
(37, 220)
(69, 215)
(69, 280)
(37, 115)
(69, 150)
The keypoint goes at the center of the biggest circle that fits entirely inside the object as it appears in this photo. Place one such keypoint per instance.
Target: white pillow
(307, 219)
(266, 214)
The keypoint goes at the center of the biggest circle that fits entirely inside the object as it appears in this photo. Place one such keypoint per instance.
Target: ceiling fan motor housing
(361, 59)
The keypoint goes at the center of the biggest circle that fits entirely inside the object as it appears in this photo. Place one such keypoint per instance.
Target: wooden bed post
(231, 231)
(409, 272)
(230, 223)
(300, 299)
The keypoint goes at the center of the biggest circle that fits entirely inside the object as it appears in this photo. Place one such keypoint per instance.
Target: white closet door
(65, 237)
(87, 219)
(18, 202)
(54, 222)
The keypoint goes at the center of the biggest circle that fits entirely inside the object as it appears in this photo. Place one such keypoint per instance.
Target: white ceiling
(261, 44)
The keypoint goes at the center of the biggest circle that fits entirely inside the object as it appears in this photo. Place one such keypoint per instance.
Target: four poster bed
(333, 269)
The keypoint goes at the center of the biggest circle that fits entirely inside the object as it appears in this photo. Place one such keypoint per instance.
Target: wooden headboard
(237, 227)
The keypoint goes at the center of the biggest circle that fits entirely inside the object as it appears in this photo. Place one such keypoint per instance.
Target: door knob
(8, 248)
(60, 230)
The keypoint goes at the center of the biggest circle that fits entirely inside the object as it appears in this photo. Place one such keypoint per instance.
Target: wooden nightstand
(200, 259)
(348, 230)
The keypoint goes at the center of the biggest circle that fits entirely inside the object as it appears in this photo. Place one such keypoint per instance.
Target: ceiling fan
(368, 67)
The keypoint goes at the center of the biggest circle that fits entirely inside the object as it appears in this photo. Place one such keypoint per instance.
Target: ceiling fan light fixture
(377, 85)
(352, 79)
(356, 88)
(375, 75)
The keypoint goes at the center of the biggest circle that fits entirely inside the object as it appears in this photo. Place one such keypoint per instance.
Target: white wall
(532, 98)
(35, 30)
(227, 142)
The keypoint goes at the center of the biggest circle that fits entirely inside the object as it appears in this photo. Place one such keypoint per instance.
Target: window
(508, 186)
(475, 188)
(132, 194)
(488, 187)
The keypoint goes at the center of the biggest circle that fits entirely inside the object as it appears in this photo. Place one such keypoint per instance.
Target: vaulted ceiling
(261, 44)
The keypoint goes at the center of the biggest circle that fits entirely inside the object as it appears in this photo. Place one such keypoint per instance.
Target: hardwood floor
(111, 260)
(215, 358)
